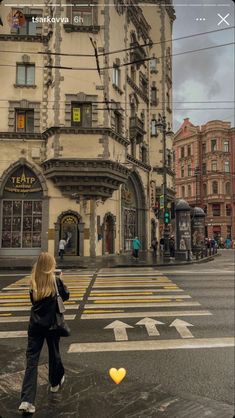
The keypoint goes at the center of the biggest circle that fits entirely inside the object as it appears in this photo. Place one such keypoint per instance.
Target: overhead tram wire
(129, 63)
(118, 50)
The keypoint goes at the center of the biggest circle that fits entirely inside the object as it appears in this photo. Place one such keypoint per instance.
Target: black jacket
(43, 311)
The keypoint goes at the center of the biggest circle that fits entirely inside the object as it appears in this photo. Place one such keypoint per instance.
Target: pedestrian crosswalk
(15, 303)
(120, 294)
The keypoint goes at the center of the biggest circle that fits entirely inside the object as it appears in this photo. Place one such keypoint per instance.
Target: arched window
(189, 191)
(228, 188)
(214, 187)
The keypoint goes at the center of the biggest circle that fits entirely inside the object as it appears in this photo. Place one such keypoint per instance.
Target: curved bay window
(21, 226)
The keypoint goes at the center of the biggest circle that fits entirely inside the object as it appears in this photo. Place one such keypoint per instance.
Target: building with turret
(81, 159)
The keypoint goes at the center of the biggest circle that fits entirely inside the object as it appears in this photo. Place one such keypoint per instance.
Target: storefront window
(22, 210)
(21, 224)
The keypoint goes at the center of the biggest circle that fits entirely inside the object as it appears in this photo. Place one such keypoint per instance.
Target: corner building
(205, 173)
(81, 157)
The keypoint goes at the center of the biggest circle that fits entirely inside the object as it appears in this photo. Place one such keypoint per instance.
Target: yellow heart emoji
(117, 375)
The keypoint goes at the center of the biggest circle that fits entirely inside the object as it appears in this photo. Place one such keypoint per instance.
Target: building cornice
(65, 130)
(138, 163)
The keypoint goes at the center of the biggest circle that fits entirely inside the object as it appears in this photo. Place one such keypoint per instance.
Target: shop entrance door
(69, 232)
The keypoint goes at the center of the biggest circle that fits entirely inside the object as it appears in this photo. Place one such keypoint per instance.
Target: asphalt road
(174, 370)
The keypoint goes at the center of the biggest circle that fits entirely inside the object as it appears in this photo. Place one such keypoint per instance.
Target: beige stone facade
(80, 155)
(205, 173)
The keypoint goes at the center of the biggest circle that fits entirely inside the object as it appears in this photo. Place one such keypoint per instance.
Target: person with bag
(47, 293)
(154, 245)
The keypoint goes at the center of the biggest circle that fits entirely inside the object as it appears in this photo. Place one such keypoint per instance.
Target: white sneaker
(27, 407)
(55, 389)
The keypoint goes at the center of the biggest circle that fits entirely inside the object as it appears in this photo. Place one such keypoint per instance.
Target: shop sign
(23, 180)
(76, 114)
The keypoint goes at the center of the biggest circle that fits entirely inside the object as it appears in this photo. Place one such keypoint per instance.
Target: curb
(138, 264)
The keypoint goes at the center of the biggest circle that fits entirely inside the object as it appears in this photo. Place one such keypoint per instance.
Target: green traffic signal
(166, 216)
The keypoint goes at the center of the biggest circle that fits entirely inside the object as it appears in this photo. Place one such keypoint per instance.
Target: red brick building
(204, 159)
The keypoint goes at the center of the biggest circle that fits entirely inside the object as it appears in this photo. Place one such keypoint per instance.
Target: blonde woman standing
(43, 313)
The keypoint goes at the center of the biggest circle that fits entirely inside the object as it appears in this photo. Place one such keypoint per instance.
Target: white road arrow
(119, 329)
(181, 327)
(150, 325)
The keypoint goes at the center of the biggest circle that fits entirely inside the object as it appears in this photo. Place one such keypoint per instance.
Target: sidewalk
(109, 261)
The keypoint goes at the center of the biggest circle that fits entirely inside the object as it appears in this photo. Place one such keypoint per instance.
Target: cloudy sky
(206, 76)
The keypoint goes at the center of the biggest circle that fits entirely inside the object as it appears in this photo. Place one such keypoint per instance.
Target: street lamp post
(165, 128)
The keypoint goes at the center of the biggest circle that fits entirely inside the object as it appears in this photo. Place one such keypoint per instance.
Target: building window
(205, 209)
(228, 189)
(204, 169)
(216, 209)
(183, 191)
(25, 74)
(189, 170)
(24, 120)
(215, 187)
(203, 149)
(21, 224)
(143, 83)
(82, 14)
(213, 145)
(81, 114)
(29, 28)
(227, 167)
(228, 210)
(226, 146)
(133, 73)
(189, 151)
(116, 76)
(153, 127)
(118, 122)
(189, 191)
(229, 231)
(144, 155)
(153, 95)
(204, 189)
(182, 171)
(153, 64)
(214, 165)
(182, 152)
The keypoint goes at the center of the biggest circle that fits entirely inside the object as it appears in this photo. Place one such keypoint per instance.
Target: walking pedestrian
(162, 245)
(172, 246)
(154, 245)
(44, 289)
(136, 247)
(62, 245)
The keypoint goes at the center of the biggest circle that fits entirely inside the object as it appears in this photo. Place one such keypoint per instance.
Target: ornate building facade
(205, 173)
(81, 158)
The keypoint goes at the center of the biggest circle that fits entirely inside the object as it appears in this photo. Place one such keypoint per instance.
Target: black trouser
(136, 252)
(56, 369)
(61, 254)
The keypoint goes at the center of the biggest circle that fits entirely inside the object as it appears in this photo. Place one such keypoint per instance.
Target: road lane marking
(27, 308)
(152, 345)
(88, 314)
(136, 298)
(26, 318)
(140, 305)
(13, 334)
(125, 285)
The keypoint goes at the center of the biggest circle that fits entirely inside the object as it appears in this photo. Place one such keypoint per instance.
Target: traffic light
(167, 216)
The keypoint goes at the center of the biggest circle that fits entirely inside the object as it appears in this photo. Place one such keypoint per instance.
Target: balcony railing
(137, 129)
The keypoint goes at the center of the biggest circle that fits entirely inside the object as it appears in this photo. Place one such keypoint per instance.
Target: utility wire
(118, 50)
(129, 63)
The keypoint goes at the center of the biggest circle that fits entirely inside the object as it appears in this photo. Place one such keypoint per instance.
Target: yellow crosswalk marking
(132, 300)
(103, 311)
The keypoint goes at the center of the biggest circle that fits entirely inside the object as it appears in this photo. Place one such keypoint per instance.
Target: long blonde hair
(42, 277)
